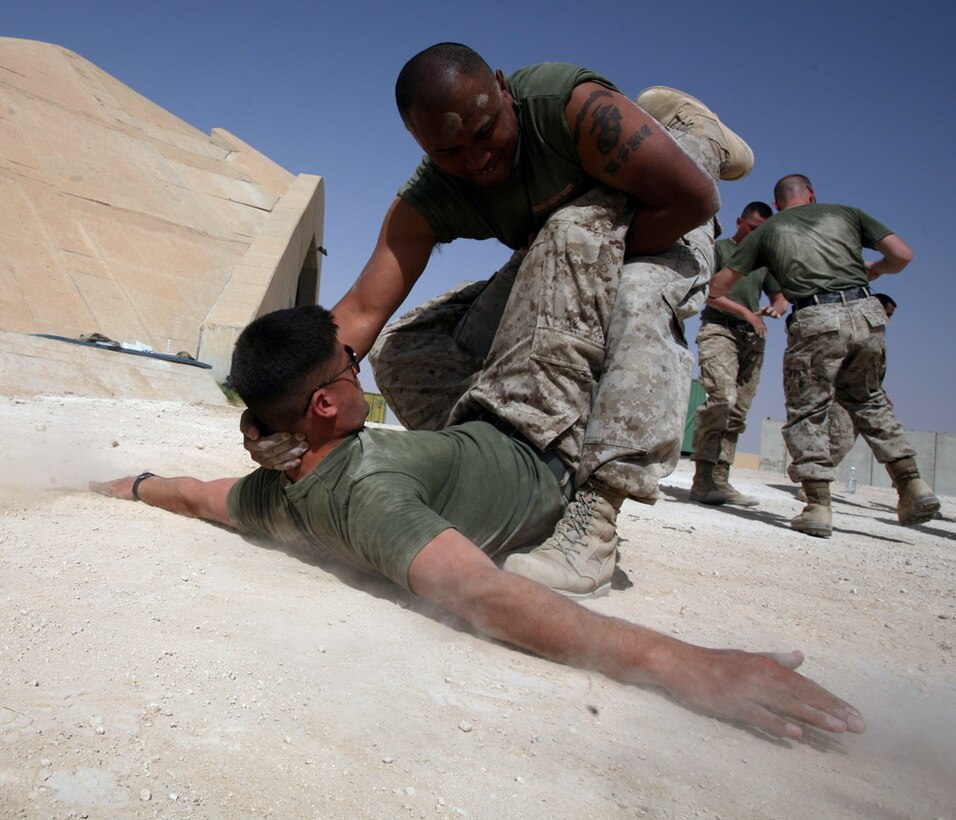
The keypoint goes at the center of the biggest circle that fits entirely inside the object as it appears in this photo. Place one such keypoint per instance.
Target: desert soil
(155, 666)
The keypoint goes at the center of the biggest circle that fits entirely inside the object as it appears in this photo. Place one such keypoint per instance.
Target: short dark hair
(427, 78)
(276, 360)
(885, 300)
(759, 208)
(790, 185)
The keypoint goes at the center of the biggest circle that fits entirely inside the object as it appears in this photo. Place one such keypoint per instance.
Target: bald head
(793, 189)
(431, 78)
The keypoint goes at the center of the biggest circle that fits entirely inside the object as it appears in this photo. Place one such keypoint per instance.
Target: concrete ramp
(118, 218)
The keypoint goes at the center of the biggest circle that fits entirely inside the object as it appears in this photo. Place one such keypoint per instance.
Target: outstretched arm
(896, 256)
(758, 689)
(182, 495)
(624, 147)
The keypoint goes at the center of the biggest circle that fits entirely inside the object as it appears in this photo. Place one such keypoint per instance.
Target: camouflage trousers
(841, 431)
(730, 361)
(837, 353)
(579, 350)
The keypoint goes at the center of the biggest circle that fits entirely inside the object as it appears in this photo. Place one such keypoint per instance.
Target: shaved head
(791, 187)
(431, 77)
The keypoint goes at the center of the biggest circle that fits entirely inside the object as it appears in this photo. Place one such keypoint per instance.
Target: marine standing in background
(730, 348)
(836, 344)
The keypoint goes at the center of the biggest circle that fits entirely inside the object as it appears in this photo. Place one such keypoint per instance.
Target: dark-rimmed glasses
(353, 365)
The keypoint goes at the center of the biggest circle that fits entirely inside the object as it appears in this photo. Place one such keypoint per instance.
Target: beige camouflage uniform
(579, 350)
(837, 352)
(730, 364)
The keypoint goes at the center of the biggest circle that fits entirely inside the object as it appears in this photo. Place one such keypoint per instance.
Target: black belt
(731, 322)
(829, 297)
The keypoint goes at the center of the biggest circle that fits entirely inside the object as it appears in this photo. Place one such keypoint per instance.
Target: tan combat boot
(917, 501)
(704, 490)
(578, 559)
(721, 475)
(682, 112)
(817, 517)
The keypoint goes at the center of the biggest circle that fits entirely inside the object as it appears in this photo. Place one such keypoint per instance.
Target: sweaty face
(475, 136)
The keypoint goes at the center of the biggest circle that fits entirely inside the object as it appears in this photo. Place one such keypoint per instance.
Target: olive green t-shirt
(546, 174)
(746, 290)
(381, 495)
(812, 248)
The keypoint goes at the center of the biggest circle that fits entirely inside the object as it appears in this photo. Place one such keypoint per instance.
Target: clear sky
(853, 94)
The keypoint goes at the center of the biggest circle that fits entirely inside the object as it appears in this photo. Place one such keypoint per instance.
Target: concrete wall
(935, 454)
(118, 218)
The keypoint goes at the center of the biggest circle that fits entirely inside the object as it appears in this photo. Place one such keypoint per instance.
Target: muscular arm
(404, 244)
(761, 690)
(896, 256)
(183, 495)
(621, 145)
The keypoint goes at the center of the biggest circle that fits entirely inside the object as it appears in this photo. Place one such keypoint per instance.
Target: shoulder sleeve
(390, 523)
(257, 504)
(437, 198)
(745, 256)
(871, 230)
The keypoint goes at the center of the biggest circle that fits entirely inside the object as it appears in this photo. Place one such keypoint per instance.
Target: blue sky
(852, 94)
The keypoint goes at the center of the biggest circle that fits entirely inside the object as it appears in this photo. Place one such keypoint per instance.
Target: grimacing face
(475, 138)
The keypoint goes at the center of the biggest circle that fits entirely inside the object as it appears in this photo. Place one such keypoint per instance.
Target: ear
(740, 221)
(502, 85)
(323, 406)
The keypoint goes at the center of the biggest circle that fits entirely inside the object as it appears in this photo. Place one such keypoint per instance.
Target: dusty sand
(154, 666)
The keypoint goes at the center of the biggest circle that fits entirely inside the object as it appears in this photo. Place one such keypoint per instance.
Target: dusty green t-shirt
(546, 174)
(382, 495)
(746, 290)
(812, 248)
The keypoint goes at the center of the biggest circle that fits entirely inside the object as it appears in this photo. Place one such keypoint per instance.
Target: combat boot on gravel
(682, 112)
(817, 517)
(721, 476)
(578, 559)
(704, 490)
(917, 501)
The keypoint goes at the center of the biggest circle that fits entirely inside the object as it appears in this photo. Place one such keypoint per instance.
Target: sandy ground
(154, 666)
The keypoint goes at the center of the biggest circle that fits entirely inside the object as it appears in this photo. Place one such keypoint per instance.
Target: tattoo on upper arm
(594, 96)
(606, 126)
(624, 151)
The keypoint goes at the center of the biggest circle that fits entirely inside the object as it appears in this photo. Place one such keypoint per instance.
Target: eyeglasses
(353, 365)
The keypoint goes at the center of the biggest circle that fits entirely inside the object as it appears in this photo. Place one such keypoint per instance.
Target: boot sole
(816, 532)
(710, 502)
(600, 592)
(925, 511)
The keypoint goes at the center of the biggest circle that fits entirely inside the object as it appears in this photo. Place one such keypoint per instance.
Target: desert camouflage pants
(730, 361)
(840, 426)
(579, 350)
(837, 353)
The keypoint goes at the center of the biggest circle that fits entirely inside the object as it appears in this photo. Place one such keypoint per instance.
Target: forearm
(182, 495)
(721, 282)
(728, 305)
(527, 615)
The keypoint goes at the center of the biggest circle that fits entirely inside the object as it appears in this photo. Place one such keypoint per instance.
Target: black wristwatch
(139, 480)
